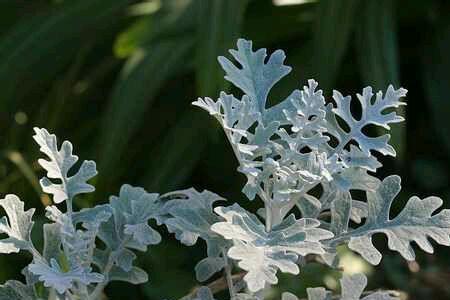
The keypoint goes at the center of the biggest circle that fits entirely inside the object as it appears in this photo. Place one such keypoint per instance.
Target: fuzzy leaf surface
(262, 253)
(415, 223)
(53, 276)
(189, 214)
(352, 288)
(17, 225)
(59, 164)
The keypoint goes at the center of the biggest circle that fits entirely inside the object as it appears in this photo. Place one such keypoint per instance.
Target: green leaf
(168, 167)
(28, 50)
(377, 44)
(377, 50)
(130, 40)
(436, 66)
(218, 26)
(334, 21)
(133, 94)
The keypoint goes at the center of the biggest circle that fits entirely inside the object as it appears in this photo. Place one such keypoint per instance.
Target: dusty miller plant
(287, 152)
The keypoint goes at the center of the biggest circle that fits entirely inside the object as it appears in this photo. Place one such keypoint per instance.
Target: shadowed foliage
(117, 79)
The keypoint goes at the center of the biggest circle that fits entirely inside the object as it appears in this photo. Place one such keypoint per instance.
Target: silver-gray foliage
(261, 253)
(189, 214)
(66, 264)
(287, 152)
(352, 288)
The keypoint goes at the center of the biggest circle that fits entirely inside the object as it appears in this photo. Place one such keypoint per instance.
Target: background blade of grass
(173, 160)
(377, 56)
(140, 80)
(437, 78)
(218, 27)
(46, 42)
(334, 22)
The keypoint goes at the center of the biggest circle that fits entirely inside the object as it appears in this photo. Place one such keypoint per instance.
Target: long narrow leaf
(334, 25)
(219, 23)
(135, 90)
(377, 55)
(38, 47)
(437, 78)
(178, 153)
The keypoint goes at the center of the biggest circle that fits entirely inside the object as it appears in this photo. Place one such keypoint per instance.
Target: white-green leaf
(134, 276)
(255, 75)
(319, 293)
(208, 267)
(52, 241)
(262, 253)
(189, 214)
(127, 229)
(132, 210)
(17, 225)
(58, 166)
(16, 290)
(53, 276)
(204, 293)
(352, 288)
(288, 296)
(372, 114)
(415, 223)
(78, 244)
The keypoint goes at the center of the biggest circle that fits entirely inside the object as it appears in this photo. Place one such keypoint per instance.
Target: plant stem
(268, 216)
(219, 285)
(99, 288)
(228, 275)
(111, 259)
(392, 293)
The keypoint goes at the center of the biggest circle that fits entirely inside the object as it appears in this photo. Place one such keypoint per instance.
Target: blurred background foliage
(116, 77)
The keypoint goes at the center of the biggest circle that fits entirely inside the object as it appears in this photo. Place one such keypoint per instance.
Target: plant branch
(219, 285)
(398, 294)
(111, 260)
(228, 275)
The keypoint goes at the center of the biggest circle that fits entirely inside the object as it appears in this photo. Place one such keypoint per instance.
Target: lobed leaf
(17, 225)
(372, 114)
(16, 290)
(127, 230)
(352, 288)
(189, 214)
(415, 223)
(262, 253)
(53, 276)
(60, 163)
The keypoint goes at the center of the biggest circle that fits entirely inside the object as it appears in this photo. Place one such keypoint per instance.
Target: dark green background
(116, 77)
